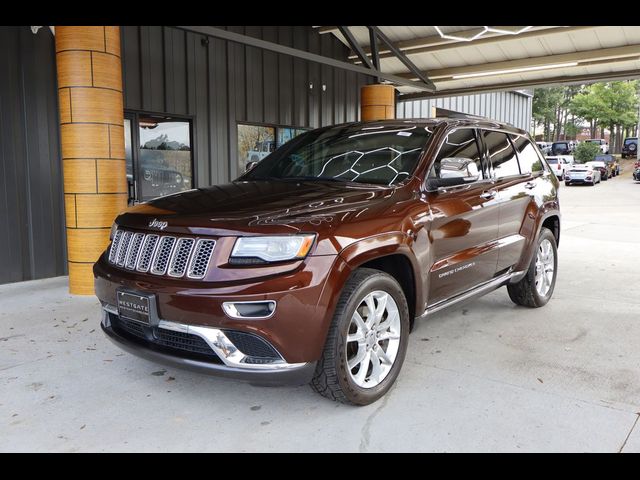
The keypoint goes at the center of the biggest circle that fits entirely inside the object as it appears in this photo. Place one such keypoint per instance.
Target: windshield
(378, 154)
(552, 161)
(630, 140)
(594, 141)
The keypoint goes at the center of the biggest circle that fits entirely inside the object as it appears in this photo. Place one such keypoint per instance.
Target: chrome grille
(161, 255)
(123, 248)
(200, 261)
(148, 249)
(132, 256)
(117, 238)
(181, 257)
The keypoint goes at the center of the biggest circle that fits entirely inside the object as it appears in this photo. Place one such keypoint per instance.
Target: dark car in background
(630, 147)
(613, 166)
(564, 147)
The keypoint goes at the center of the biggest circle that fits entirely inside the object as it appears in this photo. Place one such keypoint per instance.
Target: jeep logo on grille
(158, 224)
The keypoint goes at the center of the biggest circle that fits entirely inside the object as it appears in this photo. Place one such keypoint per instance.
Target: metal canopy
(469, 59)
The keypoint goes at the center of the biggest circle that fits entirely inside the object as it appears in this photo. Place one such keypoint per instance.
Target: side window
(503, 157)
(459, 159)
(530, 161)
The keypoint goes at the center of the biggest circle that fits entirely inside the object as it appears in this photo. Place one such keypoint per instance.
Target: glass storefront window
(128, 150)
(257, 141)
(164, 157)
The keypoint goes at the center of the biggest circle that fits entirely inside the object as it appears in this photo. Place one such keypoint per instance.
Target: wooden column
(377, 102)
(92, 143)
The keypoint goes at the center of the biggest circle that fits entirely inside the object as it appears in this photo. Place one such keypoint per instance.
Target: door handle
(488, 194)
(530, 185)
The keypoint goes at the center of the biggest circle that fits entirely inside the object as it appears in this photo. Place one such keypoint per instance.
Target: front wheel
(367, 340)
(536, 288)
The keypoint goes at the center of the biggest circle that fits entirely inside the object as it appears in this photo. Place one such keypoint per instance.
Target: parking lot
(486, 376)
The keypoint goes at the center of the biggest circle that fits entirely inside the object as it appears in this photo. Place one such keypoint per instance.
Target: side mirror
(433, 184)
(249, 166)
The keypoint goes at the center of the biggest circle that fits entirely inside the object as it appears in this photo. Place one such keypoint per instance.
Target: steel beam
(274, 47)
(355, 46)
(401, 56)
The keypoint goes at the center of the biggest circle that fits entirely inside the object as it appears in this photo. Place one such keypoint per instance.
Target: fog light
(250, 310)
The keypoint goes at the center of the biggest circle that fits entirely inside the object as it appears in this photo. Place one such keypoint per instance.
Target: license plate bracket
(136, 306)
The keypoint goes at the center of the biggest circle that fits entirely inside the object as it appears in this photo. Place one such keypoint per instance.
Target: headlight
(256, 250)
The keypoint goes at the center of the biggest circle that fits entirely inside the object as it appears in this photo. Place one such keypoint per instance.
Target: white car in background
(601, 142)
(545, 147)
(582, 173)
(560, 164)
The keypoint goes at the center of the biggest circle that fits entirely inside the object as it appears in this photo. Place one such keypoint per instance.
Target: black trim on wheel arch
(332, 379)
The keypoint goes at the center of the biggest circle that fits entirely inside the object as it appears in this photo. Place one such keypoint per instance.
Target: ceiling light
(483, 30)
(514, 70)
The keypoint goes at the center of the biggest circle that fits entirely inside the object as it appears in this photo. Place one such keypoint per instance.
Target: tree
(544, 108)
(610, 105)
(586, 152)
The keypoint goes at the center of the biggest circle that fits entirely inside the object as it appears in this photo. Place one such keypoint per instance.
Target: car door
(463, 218)
(513, 195)
(520, 196)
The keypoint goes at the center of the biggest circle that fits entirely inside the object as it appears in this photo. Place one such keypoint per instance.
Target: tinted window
(552, 161)
(384, 154)
(459, 157)
(530, 161)
(503, 158)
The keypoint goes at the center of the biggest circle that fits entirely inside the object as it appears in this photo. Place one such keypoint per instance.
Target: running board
(477, 291)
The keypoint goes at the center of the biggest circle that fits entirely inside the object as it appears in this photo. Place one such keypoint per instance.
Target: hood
(246, 207)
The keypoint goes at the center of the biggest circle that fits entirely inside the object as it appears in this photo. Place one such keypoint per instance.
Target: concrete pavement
(487, 376)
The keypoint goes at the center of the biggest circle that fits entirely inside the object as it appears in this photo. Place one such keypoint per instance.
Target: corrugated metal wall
(31, 201)
(222, 83)
(165, 70)
(508, 107)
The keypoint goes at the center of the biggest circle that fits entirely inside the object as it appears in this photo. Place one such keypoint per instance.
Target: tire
(333, 378)
(567, 183)
(525, 292)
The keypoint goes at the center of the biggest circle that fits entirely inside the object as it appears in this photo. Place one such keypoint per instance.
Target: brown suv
(312, 266)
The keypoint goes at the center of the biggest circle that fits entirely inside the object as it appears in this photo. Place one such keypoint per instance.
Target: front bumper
(231, 365)
(305, 298)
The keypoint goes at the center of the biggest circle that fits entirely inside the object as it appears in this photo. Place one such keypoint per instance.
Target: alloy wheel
(373, 339)
(545, 267)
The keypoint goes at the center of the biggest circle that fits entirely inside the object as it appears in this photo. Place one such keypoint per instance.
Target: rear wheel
(367, 340)
(536, 288)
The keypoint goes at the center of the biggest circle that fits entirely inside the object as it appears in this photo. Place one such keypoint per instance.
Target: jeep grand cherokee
(313, 265)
